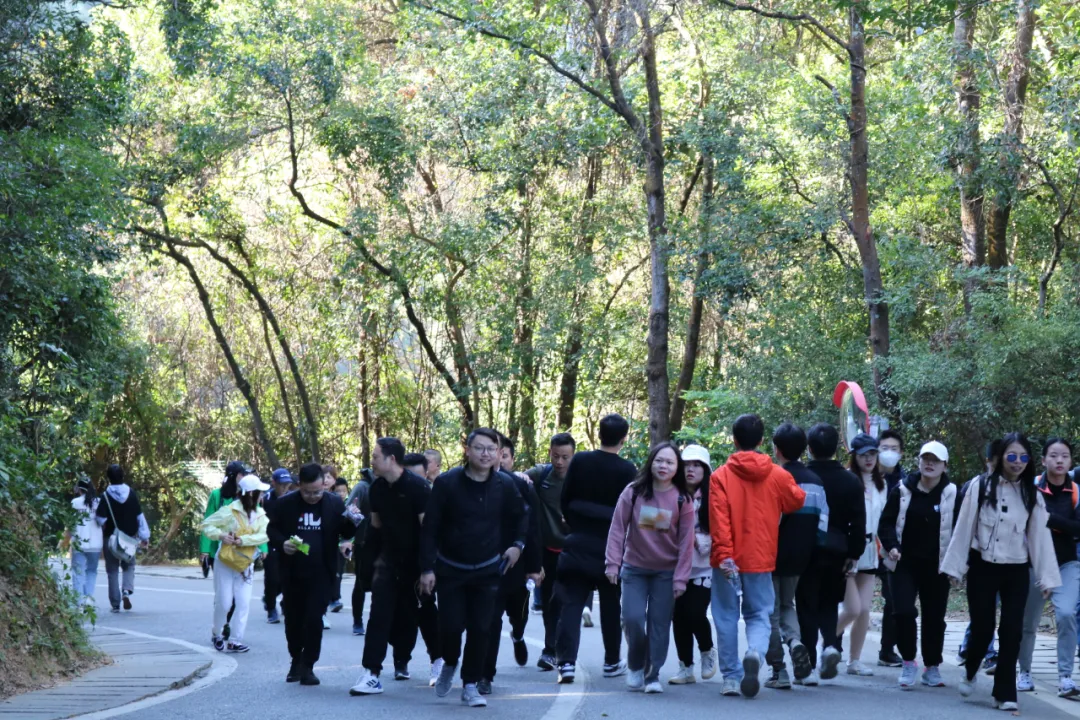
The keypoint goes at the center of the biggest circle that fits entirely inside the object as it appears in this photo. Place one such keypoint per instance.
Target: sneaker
(908, 675)
(115, 609)
(811, 680)
(521, 651)
(708, 664)
(294, 672)
(436, 668)
(586, 618)
(989, 665)
(127, 601)
(566, 673)
(730, 687)
(445, 680)
(537, 610)
(685, 676)
(358, 629)
(272, 617)
(1067, 688)
(856, 667)
(654, 687)
(889, 658)
(236, 647)
(325, 622)
(401, 672)
(1024, 683)
(471, 696)
(336, 606)
(217, 641)
(307, 677)
(751, 683)
(830, 659)
(1009, 705)
(613, 670)
(546, 662)
(800, 660)
(931, 677)
(483, 687)
(779, 680)
(635, 680)
(368, 684)
(967, 686)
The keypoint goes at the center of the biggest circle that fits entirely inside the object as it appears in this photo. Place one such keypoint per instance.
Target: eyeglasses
(482, 450)
(1013, 457)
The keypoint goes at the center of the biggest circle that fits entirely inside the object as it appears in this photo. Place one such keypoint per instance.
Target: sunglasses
(1013, 457)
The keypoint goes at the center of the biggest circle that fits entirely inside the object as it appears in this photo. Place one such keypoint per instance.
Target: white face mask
(889, 458)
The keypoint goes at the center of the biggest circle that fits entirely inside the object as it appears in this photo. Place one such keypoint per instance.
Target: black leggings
(984, 582)
(689, 622)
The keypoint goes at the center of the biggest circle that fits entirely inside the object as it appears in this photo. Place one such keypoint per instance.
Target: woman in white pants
(241, 527)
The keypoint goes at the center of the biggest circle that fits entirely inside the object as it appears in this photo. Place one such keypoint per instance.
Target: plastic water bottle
(530, 584)
(736, 582)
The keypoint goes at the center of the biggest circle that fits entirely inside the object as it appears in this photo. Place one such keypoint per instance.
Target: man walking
(282, 483)
(365, 543)
(120, 511)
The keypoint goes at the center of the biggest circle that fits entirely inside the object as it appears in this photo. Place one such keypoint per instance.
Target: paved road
(180, 607)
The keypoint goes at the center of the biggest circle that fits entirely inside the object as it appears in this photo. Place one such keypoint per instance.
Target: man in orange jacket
(747, 496)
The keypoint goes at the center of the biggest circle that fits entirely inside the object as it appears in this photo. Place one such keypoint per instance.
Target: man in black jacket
(120, 510)
(890, 453)
(475, 528)
(365, 546)
(821, 588)
(283, 482)
(316, 517)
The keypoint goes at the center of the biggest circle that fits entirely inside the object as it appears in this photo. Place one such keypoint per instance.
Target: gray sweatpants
(113, 567)
(648, 600)
(785, 622)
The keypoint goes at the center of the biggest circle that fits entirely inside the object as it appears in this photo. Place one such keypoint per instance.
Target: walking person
(859, 590)
(475, 527)
(1062, 498)
(1001, 529)
(798, 536)
(365, 546)
(690, 620)
(747, 497)
(890, 453)
(238, 528)
(314, 520)
(428, 610)
(821, 588)
(282, 482)
(341, 489)
(218, 498)
(88, 541)
(434, 466)
(594, 482)
(915, 530)
(121, 514)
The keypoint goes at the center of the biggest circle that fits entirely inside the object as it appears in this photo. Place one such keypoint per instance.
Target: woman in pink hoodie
(650, 546)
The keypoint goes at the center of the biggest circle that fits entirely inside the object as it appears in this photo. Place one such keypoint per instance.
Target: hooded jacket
(747, 497)
(121, 502)
(803, 530)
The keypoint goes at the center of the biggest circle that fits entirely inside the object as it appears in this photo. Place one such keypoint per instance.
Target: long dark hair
(249, 500)
(703, 511)
(643, 483)
(879, 480)
(86, 488)
(1026, 481)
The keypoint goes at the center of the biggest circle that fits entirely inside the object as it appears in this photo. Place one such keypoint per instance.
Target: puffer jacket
(747, 497)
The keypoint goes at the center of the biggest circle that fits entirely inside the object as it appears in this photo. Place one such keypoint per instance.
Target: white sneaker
(1008, 705)
(635, 680)
(855, 667)
(436, 668)
(1067, 688)
(811, 680)
(654, 687)
(1024, 683)
(909, 675)
(368, 684)
(325, 623)
(830, 659)
(708, 664)
(730, 688)
(471, 696)
(968, 686)
(586, 618)
(685, 676)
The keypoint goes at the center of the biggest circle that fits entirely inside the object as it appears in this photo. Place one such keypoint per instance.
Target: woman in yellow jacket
(240, 527)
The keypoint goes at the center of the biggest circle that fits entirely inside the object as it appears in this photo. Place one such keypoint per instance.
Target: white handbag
(122, 546)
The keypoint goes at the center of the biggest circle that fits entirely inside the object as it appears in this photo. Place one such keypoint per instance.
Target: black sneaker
(294, 672)
(307, 677)
(218, 642)
(889, 658)
(483, 687)
(521, 651)
(401, 672)
(546, 662)
(566, 673)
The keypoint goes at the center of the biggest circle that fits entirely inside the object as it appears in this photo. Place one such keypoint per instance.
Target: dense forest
(278, 229)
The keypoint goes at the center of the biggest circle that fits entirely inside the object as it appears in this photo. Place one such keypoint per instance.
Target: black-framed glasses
(482, 450)
(1013, 457)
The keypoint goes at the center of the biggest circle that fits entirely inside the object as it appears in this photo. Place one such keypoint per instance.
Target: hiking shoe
(236, 647)
(653, 688)
(436, 668)
(779, 680)
(830, 659)
(401, 672)
(358, 629)
(483, 687)
(685, 676)
(800, 660)
(1024, 683)
(336, 606)
(218, 642)
(967, 686)
(1067, 688)
(612, 670)
(586, 618)
(546, 662)
(325, 622)
(931, 677)
(730, 687)
(889, 658)
(708, 664)
(471, 696)
(1008, 705)
(855, 667)
(307, 677)
(908, 675)
(521, 651)
(635, 680)
(368, 684)
(566, 673)
(989, 665)
(272, 617)
(445, 680)
(751, 683)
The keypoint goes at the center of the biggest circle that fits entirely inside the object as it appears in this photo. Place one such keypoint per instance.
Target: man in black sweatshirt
(821, 587)
(594, 481)
(475, 529)
(890, 453)
(316, 517)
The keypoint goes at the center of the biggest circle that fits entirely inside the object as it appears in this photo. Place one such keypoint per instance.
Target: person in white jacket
(240, 527)
(690, 621)
(86, 541)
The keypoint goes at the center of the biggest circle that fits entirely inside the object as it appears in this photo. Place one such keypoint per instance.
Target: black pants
(466, 603)
(365, 572)
(690, 622)
(549, 601)
(573, 591)
(984, 582)
(888, 622)
(513, 599)
(304, 601)
(337, 579)
(428, 620)
(271, 580)
(819, 592)
(394, 616)
(921, 579)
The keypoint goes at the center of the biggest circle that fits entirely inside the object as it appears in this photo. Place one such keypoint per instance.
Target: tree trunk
(365, 389)
(1009, 160)
(284, 393)
(523, 333)
(972, 220)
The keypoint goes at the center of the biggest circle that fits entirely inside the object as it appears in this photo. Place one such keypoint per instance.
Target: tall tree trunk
(523, 333)
(284, 393)
(366, 352)
(1009, 160)
(972, 220)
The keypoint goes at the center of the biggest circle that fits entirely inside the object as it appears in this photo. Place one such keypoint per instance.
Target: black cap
(235, 468)
(863, 444)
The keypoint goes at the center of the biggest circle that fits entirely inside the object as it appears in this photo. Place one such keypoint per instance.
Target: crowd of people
(796, 550)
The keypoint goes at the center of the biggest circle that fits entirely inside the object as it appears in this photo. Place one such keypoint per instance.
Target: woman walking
(915, 530)
(1001, 529)
(690, 621)
(239, 527)
(86, 551)
(859, 591)
(1062, 498)
(650, 546)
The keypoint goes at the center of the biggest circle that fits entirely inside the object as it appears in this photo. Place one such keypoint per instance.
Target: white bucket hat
(697, 453)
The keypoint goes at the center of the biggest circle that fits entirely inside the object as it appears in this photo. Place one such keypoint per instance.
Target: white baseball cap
(250, 483)
(936, 449)
(697, 453)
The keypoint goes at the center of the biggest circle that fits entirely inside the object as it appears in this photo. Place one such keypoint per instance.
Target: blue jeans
(84, 567)
(648, 600)
(757, 603)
